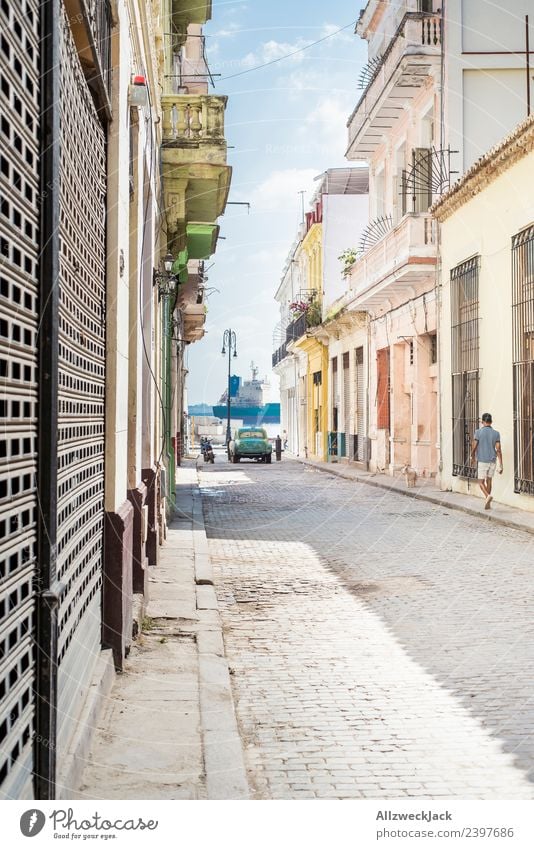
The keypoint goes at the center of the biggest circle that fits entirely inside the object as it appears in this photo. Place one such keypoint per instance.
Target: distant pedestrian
(486, 450)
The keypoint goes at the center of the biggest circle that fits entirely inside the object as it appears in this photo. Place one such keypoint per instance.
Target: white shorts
(486, 470)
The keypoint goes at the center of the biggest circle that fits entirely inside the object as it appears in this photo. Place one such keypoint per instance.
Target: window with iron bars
(465, 364)
(523, 359)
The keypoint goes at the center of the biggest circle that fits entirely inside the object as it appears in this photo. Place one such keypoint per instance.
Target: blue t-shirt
(487, 438)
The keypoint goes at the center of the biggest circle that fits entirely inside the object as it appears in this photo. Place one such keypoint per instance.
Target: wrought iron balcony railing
(428, 178)
(296, 329)
(280, 354)
(375, 231)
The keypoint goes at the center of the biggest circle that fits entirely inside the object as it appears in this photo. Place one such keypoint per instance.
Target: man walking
(486, 450)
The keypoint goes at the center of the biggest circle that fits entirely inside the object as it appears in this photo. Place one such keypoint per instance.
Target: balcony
(280, 354)
(183, 13)
(398, 267)
(296, 329)
(192, 11)
(191, 292)
(412, 58)
(195, 121)
(196, 178)
(194, 319)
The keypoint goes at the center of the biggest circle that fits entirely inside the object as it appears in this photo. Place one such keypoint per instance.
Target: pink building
(422, 119)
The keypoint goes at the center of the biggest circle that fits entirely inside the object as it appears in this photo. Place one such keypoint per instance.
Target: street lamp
(230, 342)
(165, 280)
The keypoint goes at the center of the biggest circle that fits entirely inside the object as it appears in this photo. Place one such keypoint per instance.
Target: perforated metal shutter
(81, 387)
(18, 325)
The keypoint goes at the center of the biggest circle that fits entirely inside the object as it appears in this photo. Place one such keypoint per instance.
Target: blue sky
(286, 124)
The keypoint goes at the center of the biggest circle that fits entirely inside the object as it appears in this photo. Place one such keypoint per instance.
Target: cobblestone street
(379, 646)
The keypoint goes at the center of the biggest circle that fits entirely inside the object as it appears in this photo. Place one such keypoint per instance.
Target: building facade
(419, 122)
(487, 317)
(319, 425)
(91, 341)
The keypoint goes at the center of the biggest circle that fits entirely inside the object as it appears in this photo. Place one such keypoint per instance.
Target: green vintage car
(250, 442)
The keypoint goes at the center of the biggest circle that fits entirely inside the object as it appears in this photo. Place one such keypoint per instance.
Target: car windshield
(251, 434)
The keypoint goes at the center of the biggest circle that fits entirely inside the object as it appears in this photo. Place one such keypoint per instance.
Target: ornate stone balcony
(196, 178)
(195, 121)
(411, 59)
(398, 267)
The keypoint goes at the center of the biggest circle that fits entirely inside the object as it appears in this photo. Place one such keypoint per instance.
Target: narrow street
(379, 646)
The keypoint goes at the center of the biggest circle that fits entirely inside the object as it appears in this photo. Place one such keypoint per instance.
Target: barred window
(523, 358)
(465, 364)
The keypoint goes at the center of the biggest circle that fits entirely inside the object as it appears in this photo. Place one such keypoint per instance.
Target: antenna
(254, 369)
(302, 193)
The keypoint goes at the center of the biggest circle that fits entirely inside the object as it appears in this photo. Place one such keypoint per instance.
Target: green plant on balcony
(313, 314)
(310, 309)
(348, 258)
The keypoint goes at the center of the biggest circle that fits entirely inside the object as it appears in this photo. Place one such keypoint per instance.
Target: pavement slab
(168, 729)
(379, 646)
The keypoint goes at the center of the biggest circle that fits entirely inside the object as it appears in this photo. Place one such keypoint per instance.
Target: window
(382, 388)
(523, 359)
(465, 364)
(334, 393)
(433, 348)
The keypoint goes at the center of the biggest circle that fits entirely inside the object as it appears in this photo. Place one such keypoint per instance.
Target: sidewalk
(168, 730)
(427, 490)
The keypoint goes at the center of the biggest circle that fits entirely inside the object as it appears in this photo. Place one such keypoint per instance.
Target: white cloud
(326, 122)
(346, 35)
(279, 191)
(232, 29)
(271, 50)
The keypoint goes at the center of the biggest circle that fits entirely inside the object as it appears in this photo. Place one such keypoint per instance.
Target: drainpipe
(167, 401)
(48, 589)
(438, 250)
(368, 392)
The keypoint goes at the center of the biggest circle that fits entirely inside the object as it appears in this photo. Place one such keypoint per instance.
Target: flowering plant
(298, 308)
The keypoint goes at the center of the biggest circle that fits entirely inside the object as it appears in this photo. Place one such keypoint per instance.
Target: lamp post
(230, 342)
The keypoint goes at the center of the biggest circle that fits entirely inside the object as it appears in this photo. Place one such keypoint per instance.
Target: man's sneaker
(487, 505)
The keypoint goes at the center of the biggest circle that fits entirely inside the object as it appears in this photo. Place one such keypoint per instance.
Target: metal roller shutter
(19, 92)
(346, 401)
(360, 401)
(81, 387)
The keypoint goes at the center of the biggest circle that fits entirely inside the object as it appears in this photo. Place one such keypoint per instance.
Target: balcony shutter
(422, 178)
(382, 389)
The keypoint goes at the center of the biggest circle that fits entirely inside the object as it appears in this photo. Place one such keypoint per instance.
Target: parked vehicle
(251, 443)
(207, 451)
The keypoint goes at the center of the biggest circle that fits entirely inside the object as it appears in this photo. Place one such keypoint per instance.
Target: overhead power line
(288, 55)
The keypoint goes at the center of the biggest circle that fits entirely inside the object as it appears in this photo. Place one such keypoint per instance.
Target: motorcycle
(207, 451)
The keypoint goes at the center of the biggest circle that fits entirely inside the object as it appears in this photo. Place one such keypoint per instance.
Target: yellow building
(313, 359)
(487, 317)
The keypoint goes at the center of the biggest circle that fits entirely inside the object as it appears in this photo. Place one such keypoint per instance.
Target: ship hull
(268, 414)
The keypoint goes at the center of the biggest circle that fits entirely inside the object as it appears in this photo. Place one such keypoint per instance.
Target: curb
(75, 760)
(226, 776)
(433, 499)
